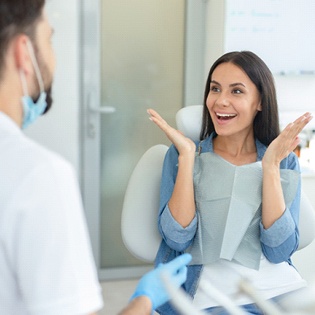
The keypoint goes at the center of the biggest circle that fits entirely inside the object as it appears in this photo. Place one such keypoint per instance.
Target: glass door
(134, 58)
(142, 67)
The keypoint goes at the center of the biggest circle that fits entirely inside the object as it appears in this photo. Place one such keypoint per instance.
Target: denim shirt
(278, 242)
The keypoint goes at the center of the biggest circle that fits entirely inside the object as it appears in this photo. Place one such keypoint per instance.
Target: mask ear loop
(35, 65)
(24, 84)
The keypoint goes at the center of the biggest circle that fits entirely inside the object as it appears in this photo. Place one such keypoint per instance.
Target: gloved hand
(151, 284)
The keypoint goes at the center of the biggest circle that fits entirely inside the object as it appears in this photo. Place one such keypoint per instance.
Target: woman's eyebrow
(236, 84)
(231, 85)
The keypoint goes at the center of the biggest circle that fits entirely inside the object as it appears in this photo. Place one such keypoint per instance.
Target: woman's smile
(225, 116)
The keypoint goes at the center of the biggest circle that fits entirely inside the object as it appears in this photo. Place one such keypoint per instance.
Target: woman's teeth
(225, 116)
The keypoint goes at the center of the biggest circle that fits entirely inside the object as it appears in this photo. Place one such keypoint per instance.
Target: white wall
(59, 129)
(214, 41)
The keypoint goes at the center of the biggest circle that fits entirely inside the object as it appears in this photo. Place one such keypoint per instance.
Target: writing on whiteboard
(281, 32)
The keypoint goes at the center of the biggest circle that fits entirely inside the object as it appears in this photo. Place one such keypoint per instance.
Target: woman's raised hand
(183, 144)
(286, 142)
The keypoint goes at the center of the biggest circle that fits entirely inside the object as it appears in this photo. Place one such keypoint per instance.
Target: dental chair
(141, 203)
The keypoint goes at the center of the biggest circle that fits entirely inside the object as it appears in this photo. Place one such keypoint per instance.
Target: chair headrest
(189, 120)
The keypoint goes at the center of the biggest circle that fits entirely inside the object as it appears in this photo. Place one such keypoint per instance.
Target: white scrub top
(46, 263)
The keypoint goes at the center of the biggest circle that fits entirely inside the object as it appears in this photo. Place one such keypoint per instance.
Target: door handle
(93, 110)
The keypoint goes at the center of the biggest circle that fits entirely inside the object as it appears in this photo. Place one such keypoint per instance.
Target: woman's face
(233, 100)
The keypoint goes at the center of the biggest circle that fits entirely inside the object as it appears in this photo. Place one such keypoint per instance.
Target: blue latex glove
(151, 284)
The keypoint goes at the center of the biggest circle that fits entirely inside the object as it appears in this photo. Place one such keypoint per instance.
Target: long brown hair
(266, 122)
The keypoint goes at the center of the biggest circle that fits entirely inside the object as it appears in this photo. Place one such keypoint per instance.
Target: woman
(232, 199)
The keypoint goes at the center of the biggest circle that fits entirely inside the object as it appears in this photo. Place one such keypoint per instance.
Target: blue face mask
(32, 110)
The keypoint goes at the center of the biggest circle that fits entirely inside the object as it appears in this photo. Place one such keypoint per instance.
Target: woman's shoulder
(205, 145)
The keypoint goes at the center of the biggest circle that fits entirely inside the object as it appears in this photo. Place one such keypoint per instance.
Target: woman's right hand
(182, 202)
(183, 144)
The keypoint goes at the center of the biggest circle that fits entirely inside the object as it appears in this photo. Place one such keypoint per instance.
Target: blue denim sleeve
(175, 236)
(281, 240)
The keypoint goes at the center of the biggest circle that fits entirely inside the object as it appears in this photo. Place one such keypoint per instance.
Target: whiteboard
(281, 32)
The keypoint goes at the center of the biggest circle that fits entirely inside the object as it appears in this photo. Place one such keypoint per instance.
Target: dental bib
(228, 207)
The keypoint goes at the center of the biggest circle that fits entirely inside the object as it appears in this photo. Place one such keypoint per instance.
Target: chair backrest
(141, 203)
(140, 209)
(307, 221)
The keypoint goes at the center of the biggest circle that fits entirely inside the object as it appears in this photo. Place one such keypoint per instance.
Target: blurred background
(116, 58)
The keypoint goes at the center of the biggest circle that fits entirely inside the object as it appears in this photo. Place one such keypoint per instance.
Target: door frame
(91, 111)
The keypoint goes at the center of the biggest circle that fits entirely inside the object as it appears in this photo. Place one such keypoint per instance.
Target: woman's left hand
(286, 142)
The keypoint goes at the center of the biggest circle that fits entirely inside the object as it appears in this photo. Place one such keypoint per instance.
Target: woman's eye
(237, 91)
(214, 89)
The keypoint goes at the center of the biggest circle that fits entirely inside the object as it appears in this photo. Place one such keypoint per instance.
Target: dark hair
(17, 17)
(266, 122)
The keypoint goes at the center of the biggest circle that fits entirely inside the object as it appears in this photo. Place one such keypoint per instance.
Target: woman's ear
(21, 54)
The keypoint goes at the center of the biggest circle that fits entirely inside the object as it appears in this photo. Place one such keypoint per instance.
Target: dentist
(46, 263)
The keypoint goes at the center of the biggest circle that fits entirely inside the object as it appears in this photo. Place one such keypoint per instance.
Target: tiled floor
(116, 295)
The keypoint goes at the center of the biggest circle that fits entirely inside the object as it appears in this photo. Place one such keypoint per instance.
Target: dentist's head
(27, 60)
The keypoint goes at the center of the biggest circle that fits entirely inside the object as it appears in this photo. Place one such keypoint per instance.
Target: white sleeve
(51, 251)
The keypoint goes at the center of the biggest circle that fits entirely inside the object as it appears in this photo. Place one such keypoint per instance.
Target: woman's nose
(223, 100)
